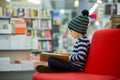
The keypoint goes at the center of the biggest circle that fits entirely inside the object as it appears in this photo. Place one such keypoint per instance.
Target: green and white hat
(80, 23)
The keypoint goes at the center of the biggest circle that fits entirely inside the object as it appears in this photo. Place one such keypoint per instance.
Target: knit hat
(80, 23)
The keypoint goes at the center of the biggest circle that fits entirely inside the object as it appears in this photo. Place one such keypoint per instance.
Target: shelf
(36, 18)
(4, 17)
(30, 28)
(45, 29)
(44, 39)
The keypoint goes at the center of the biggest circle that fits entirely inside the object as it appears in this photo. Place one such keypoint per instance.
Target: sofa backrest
(104, 54)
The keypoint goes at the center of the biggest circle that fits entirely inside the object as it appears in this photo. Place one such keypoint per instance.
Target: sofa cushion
(71, 76)
(104, 55)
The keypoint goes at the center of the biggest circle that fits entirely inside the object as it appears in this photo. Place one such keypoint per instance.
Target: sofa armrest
(45, 56)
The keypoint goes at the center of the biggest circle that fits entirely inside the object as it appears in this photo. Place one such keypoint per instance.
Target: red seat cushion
(104, 55)
(71, 76)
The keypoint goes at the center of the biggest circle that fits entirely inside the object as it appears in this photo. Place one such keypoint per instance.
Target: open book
(45, 56)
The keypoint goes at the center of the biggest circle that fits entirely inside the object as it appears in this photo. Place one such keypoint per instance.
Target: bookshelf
(30, 26)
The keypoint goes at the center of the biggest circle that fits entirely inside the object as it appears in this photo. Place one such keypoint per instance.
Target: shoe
(41, 68)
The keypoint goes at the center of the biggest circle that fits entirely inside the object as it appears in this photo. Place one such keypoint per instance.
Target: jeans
(60, 66)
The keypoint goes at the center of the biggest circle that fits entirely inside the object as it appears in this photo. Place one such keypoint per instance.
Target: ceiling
(62, 4)
(57, 4)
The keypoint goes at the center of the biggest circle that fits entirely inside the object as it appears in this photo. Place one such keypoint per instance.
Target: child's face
(75, 34)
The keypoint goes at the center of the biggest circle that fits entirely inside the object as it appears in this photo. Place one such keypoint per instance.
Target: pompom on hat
(80, 23)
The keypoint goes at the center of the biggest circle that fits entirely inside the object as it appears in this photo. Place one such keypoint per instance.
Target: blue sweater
(79, 54)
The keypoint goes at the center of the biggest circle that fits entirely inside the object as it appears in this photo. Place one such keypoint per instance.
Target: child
(77, 59)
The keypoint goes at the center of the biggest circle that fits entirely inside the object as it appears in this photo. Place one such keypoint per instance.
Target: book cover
(50, 46)
(41, 34)
(36, 24)
(48, 34)
(26, 13)
(39, 45)
(29, 23)
(19, 27)
(7, 11)
(35, 13)
(1, 11)
(20, 12)
(30, 33)
(40, 13)
(45, 23)
(32, 12)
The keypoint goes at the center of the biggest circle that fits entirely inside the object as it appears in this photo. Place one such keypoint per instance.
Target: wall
(15, 55)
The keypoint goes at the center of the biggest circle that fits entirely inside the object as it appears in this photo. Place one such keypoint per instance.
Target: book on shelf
(5, 27)
(4, 42)
(45, 45)
(45, 24)
(32, 43)
(18, 42)
(35, 13)
(32, 12)
(19, 27)
(46, 13)
(1, 11)
(29, 23)
(30, 33)
(5, 11)
(46, 34)
(20, 12)
(42, 23)
(40, 13)
(14, 11)
(35, 23)
(25, 12)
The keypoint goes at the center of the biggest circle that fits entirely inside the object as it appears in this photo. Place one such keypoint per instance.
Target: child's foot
(41, 68)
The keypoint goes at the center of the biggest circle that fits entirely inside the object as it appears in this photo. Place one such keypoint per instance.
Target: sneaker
(41, 68)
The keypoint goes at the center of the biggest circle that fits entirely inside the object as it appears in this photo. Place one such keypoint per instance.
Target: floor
(16, 75)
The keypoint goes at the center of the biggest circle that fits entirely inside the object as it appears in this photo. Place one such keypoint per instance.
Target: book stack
(4, 64)
(5, 27)
(15, 67)
(27, 65)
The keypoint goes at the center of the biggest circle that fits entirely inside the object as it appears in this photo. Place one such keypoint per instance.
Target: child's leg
(59, 65)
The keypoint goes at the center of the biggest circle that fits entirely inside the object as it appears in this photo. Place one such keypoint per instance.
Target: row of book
(39, 23)
(22, 42)
(44, 45)
(25, 12)
(44, 34)
(17, 27)
(41, 34)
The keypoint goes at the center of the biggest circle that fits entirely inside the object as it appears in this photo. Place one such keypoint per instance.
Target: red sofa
(103, 60)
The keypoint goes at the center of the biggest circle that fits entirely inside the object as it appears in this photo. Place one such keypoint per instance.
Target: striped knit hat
(80, 23)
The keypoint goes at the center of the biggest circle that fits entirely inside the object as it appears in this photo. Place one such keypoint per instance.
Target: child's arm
(80, 51)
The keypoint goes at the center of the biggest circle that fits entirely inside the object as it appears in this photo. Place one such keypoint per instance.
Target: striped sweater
(79, 54)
